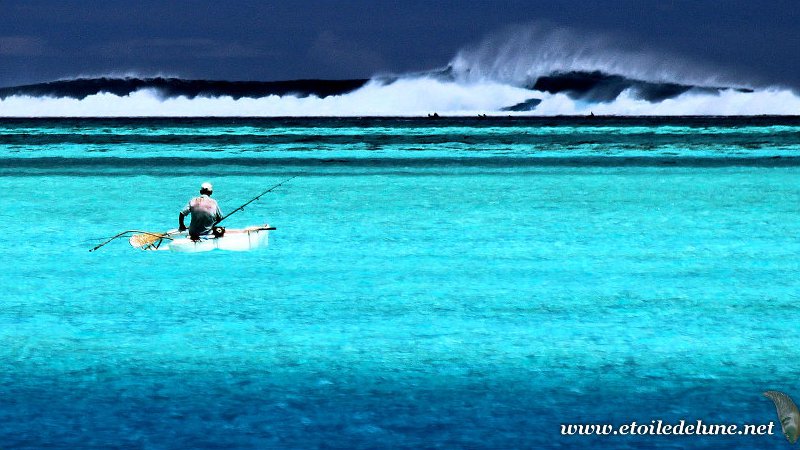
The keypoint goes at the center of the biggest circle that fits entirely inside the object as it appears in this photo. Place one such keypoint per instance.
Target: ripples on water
(454, 283)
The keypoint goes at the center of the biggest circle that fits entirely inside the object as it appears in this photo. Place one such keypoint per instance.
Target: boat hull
(237, 240)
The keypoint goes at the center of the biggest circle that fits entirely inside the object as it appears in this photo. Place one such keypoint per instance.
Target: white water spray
(485, 79)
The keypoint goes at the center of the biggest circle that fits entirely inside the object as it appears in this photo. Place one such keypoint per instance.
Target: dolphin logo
(788, 414)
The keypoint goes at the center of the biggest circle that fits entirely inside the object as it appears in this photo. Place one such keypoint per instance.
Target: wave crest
(533, 70)
(521, 54)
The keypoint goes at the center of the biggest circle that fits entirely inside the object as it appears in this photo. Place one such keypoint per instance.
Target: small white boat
(238, 240)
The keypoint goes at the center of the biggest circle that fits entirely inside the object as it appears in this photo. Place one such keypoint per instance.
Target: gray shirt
(205, 213)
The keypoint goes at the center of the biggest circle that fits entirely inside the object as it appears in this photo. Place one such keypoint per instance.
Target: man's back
(205, 213)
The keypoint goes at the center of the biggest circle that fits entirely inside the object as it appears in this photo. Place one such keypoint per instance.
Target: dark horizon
(46, 40)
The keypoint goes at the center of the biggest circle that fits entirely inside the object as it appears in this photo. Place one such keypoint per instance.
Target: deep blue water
(458, 283)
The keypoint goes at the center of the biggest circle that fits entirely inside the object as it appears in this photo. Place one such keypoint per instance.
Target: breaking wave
(532, 70)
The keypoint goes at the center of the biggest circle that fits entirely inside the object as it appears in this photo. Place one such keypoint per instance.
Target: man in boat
(204, 211)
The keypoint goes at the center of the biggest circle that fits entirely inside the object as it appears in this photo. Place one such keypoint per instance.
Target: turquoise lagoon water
(458, 283)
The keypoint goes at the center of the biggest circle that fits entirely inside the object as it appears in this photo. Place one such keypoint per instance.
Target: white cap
(206, 187)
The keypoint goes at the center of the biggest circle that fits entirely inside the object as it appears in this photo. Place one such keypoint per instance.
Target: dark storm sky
(41, 40)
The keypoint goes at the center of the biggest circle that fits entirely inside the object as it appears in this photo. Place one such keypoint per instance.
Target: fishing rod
(252, 200)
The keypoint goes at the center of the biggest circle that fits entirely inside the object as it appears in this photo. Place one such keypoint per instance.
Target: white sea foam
(405, 97)
(409, 97)
(729, 102)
